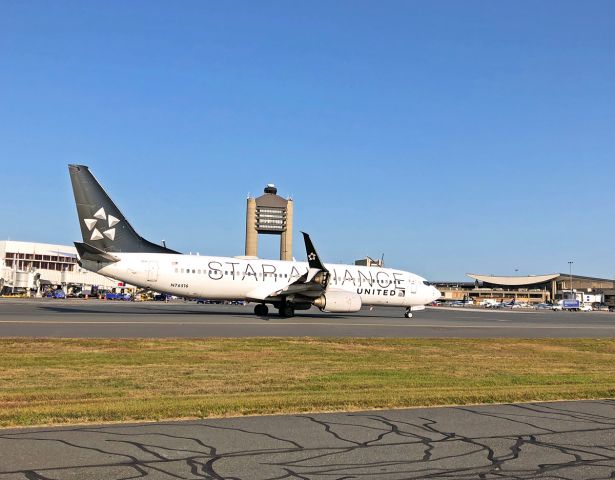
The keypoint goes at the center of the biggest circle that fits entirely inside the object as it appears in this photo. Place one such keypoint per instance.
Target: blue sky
(453, 136)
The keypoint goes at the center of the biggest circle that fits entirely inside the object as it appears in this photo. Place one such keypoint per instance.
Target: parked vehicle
(586, 307)
(59, 293)
(573, 305)
(118, 296)
(609, 299)
(599, 306)
(567, 304)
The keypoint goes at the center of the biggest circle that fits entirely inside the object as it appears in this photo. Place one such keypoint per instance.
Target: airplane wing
(311, 284)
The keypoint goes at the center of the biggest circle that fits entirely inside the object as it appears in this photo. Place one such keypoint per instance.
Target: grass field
(69, 381)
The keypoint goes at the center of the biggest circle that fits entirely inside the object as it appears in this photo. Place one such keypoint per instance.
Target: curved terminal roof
(513, 281)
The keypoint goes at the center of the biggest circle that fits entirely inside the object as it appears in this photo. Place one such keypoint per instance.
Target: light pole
(516, 273)
(570, 267)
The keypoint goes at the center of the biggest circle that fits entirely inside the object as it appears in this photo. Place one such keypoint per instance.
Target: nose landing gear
(408, 313)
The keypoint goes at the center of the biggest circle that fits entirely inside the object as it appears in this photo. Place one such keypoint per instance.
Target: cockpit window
(426, 282)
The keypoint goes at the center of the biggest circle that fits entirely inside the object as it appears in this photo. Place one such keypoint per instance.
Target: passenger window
(199, 272)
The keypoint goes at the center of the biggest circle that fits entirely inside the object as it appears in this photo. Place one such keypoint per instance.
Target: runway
(563, 440)
(109, 319)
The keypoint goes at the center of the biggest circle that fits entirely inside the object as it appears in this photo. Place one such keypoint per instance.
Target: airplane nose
(436, 293)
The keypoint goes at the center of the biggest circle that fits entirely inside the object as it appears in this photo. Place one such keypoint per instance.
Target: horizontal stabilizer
(90, 252)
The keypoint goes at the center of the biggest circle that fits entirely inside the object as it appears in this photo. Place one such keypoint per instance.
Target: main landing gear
(408, 313)
(286, 311)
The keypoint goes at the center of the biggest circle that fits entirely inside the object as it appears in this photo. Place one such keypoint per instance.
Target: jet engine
(338, 301)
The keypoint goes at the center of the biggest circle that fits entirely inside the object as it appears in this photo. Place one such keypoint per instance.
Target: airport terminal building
(31, 268)
(526, 288)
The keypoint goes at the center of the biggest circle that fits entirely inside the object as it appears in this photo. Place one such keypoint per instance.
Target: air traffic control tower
(270, 214)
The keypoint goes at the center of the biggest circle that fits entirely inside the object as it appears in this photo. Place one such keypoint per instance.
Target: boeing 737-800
(113, 248)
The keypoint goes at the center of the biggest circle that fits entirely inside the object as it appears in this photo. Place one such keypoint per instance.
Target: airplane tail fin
(103, 226)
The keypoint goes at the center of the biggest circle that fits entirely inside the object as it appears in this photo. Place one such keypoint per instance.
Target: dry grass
(67, 381)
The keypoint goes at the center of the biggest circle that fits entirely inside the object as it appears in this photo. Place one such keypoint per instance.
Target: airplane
(113, 248)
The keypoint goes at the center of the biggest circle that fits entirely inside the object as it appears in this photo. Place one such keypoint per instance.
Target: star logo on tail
(108, 226)
(312, 256)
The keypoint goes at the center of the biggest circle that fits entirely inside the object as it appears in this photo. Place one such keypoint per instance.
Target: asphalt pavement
(110, 319)
(562, 440)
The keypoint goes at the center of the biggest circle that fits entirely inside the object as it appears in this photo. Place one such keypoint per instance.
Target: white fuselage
(229, 278)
